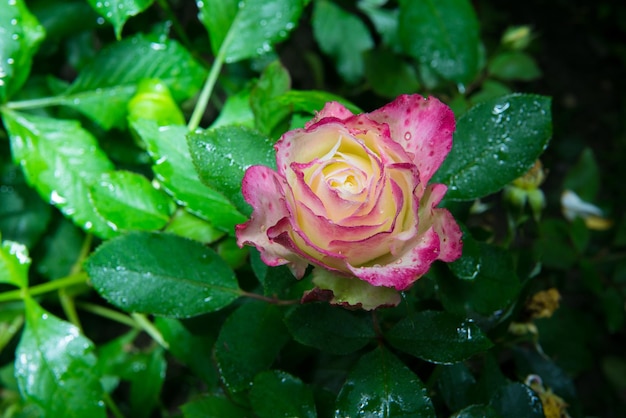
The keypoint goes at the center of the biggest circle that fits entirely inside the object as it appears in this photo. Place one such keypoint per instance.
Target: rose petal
(401, 273)
(423, 126)
(331, 110)
(442, 221)
(262, 189)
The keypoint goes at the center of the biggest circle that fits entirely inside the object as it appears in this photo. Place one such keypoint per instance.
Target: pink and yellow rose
(351, 196)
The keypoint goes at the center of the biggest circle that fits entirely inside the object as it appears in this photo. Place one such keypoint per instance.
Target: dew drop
(407, 136)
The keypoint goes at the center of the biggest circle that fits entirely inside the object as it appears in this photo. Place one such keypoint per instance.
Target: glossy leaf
(62, 247)
(154, 101)
(161, 274)
(495, 142)
(104, 87)
(118, 11)
(213, 407)
(343, 36)
(380, 385)
(456, 384)
(60, 160)
(443, 35)
(173, 167)
(492, 290)
(20, 36)
(248, 27)
(146, 373)
(329, 328)
(248, 342)
(274, 81)
(438, 337)
(277, 394)
(222, 156)
(190, 226)
(127, 201)
(14, 263)
(516, 400)
(55, 367)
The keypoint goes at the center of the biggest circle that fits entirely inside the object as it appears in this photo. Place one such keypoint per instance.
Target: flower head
(351, 196)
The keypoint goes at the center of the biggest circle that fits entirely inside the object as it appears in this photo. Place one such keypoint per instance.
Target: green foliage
(127, 127)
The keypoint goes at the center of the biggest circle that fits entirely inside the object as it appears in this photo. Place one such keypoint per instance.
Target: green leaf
(20, 36)
(14, 263)
(277, 394)
(61, 160)
(514, 65)
(128, 201)
(23, 215)
(146, 373)
(495, 142)
(104, 87)
(190, 226)
(236, 111)
(438, 337)
(343, 36)
(118, 11)
(11, 321)
(161, 274)
(330, 328)
(222, 155)
(385, 21)
(584, 177)
(456, 385)
(248, 343)
(380, 385)
(61, 247)
(468, 266)
(55, 365)
(516, 400)
(154, 101)
(250, 27)
(174, 168)
(477, 411)
(388, 74)
(213, 407)
(274, 81)
(492, 290)
(442, 35)
(189, 348)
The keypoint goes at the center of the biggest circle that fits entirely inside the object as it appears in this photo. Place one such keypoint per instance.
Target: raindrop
(407, 136)
(500, 108)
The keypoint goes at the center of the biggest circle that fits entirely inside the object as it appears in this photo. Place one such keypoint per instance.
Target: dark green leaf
(61, 160)
(192, 350)
(343, 36)
(248, 343)
(222, 156)
(490, 89)
(443, 35)
(62, 246)
(584, 177)
(113, 358)
(438, 337)
(456, 383)
(468, 266)
(491, 291)
(146, 374)
(514, 65)
(175, 170)
(277, 394)
(249, 27)
(103, 88)
(23, 215)
(330, 328)
(385, 21)
(161, 274)
(55, 367)
(274, 82)
(495, 142)
(14, 263)
(516, 400)
(20, 36)
(477, 411)
(11, 321)
(213, 407)
(236, 111)
(388, 74)
(128, 201)
(380, 385)
(118, 11)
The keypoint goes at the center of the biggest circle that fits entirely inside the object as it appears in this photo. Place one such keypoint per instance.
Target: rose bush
(351, 195)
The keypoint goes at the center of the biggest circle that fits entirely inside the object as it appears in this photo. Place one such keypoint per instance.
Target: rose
(350, 195)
